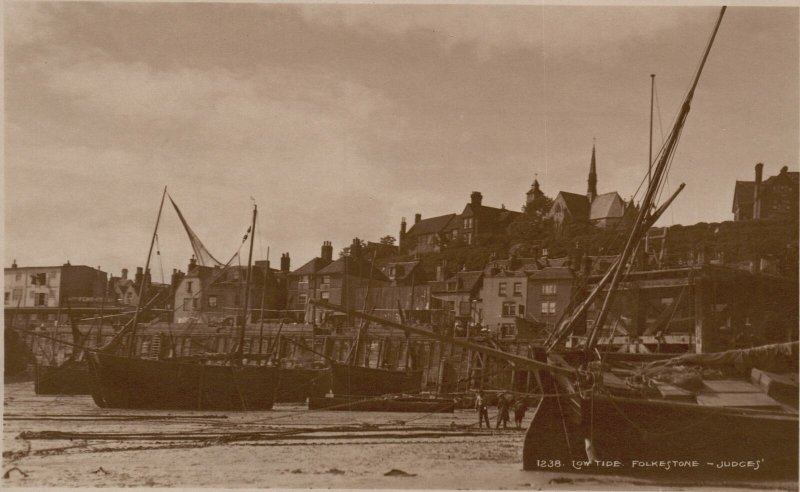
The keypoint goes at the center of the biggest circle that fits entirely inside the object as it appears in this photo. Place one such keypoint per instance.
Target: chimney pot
(124, 274)
(417, 218)
(476, 198)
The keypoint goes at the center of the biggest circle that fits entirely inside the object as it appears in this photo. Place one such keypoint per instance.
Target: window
(507, 330)
(501, 289)
(517, 288)
(39, 279)
(509, 309)
(548, 289)
(16, 294)
(195, 302)
(18, 276)
(212, 301)
(468, 223)
(325, 295)
(548, 308)
(7, 297)
(521, 310)
(187, 303)
(302, 299)
(41, 299)
(188, 286)
(468, 237)
(304, 281)
(455, 234)
(326, 280)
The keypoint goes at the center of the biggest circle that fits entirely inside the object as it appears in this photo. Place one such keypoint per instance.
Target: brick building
(773, 198)
(475, 220)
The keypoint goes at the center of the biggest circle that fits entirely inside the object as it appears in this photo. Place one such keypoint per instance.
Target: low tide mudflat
(67, 441)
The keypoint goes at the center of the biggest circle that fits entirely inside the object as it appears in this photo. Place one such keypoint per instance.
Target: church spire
(535, 192)
(591, 193)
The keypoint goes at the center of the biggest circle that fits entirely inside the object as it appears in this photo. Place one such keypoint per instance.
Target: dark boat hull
(642, 435)
(17, 354)
(122, 382)
(348, 380)
(297, 384)
(70, 378)
(418, 405)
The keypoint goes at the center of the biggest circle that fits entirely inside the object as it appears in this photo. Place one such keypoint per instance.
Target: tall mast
(642, 222)
(240, 349)
(146, 268)
(650, 153)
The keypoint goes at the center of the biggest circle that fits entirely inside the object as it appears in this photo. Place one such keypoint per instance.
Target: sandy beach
(67, 441)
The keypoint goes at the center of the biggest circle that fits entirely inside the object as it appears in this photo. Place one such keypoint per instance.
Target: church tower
(533, 193)
(591, 193)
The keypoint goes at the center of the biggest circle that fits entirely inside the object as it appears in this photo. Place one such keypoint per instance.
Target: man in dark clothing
(483, 410)
(520, 407)
(502, 412)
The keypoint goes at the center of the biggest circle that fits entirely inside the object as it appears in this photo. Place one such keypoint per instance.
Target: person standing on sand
(502, 412)
(520, 407)
(483, 411)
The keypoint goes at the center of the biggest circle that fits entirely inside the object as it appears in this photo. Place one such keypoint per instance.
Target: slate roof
(357, 267)
(577, 205)
(311, 267)
(430, 226)
(408, 269)
(466, 282)
(607, 205)
(552, 273)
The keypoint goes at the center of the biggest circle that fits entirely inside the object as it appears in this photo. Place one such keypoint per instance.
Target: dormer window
(468, 223)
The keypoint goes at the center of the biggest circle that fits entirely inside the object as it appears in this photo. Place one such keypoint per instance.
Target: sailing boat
(222, 382)
(71, 377)
(732, 414)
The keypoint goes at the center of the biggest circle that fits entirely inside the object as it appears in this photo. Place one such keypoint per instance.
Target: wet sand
(288, 447)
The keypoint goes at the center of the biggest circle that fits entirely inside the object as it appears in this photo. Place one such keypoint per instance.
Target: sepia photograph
(408, 246)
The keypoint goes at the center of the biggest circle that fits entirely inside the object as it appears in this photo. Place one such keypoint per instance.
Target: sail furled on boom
(201, 253)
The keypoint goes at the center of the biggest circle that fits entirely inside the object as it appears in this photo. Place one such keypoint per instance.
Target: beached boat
(69, 378)
(696, 415)
(348, 380)
(220, 382)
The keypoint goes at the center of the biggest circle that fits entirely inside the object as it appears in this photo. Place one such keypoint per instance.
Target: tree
(389, 240)
(533, 223)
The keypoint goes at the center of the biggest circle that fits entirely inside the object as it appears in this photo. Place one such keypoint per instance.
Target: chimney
(757, 191)
(124, 274)
(285, 262)
(327, 251)
(147, 279)
(417, 218)
(403, 227)
(476, 198)
(139, 276)
(192, 264)
(784, 169)
(14, 263)
(355, 248)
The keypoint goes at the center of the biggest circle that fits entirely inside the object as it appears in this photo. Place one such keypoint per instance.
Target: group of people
(505, 402)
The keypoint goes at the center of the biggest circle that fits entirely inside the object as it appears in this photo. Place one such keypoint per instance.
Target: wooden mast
(114, 341)
(644, 212)
(650, 153)
(240, 348)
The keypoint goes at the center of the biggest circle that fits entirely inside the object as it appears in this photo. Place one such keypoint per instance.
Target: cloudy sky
(340, 120)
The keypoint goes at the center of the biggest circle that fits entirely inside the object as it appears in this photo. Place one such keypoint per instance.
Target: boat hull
(122, 382)
(348, 380)
(417, 405)
(70, 378)
(298, 383)
(643, 435)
